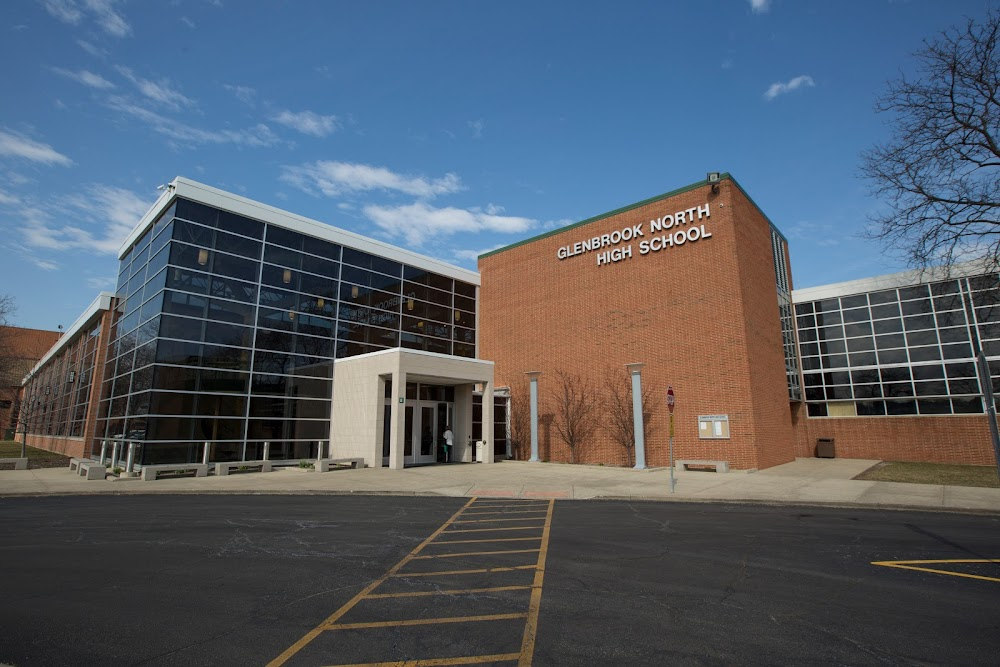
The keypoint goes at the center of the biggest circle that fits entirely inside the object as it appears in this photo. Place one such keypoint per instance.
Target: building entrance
(425, 420)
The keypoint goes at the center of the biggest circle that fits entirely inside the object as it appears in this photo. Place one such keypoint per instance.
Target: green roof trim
(623, 209)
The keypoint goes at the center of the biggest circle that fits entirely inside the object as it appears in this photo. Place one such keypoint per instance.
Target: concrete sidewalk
(804, 481)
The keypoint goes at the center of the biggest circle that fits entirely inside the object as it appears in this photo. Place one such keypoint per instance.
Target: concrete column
(205, 453)
(397, 428)
(488, 455)
(637, 423)
(379, 424)
(462, 423)
(533, 376)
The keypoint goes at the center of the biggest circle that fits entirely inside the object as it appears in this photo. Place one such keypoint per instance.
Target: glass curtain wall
(905, 351)
(227, 329)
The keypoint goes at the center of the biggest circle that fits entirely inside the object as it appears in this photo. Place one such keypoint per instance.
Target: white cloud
(16, 145)
(91, 49)
(101, 219)
(473, 255)
(102, 12)
(85, 77)
(419, 222)
(161, 91)
(477, 127)
(779, 88)
(44, 264)
(307, 122)
(183, 135)
(188, 22)
(244, 94)
(8, 200)
(101, 283)
(760, 6)
(337, 178)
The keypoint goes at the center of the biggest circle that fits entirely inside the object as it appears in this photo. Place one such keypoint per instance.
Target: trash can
(480, 446)
(825, 448)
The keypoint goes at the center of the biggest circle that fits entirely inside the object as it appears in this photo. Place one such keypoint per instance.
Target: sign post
(670, 409)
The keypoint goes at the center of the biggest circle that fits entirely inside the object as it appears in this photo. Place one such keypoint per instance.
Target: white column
(488, 421)
(397, 428)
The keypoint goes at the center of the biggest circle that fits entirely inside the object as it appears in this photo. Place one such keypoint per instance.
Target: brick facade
(702, 316)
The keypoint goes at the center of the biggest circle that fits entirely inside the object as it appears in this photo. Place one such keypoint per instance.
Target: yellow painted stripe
(514, 512)
(945, 560)
(495, 539)
(531, 625)
(456, 591)
(491, 530)
(449, 573)
(312, 634)
(526, 518)
(440, 662)
(524, 504)
(421, 621)
(477, 553)
(905, 565)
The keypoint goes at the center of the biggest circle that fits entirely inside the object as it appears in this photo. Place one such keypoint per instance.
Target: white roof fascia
(97, 306)
(888, 281)
(199, 192)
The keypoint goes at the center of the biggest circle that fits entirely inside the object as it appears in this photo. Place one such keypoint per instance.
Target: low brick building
(20, 349)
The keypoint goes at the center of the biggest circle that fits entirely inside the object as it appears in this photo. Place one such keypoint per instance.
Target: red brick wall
(59, 444)
(689, 313)
(944, 439)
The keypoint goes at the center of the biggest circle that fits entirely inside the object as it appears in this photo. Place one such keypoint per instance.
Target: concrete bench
(289, 463)
(687, 464)
(228, 466)
(74, 464)
(323, 465)
(92, 469)
(149, 473)
(19, 463)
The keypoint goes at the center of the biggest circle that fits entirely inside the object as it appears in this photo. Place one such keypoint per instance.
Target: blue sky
(450, 128)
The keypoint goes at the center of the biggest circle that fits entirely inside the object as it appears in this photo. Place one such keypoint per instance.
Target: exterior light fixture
(320, 303)
(458, 316)
(286, 276)
(420, 324)
(713, 179)
(409, 303)
(291, 315)
(354, 291)
(202, 257)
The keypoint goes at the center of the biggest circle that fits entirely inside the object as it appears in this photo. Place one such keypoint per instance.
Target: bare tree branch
(620, 422)
(940, 171)
(575, 411)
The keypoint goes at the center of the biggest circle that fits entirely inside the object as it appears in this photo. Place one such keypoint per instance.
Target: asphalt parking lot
(347, 580)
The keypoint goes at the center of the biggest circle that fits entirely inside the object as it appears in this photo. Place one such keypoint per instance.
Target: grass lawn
(37, 458)
(932, 473)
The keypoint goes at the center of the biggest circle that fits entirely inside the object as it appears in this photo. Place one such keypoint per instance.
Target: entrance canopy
(362, 409)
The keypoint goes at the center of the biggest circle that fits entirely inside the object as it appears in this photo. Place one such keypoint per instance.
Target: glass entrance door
(421, 432)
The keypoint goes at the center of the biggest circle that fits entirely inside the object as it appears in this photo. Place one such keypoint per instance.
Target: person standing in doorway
(449, 438)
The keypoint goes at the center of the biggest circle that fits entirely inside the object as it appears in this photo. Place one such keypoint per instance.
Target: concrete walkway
(804, 481)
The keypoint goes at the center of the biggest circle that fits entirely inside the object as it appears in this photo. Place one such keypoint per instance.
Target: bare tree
(940, 171)
(575, 411)
(620, 423)
(520, 423)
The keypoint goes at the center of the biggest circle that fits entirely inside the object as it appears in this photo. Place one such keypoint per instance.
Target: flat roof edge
(101, 303)
(889, 281)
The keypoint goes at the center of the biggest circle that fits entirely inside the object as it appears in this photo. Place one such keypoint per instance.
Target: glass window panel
(218, 356)
(237, 224)
(964, 386)
(235, 267)
(934, 406)
(957, 351)
(827, 319)
(888, 296)
(176, 378)
(983, 282)
(415, 275)
(284, 237)
(832, 347)
(991, 348)
(897, 389)
(918, 354)
(816, 409)
(464, 335)
(961, 370)
(189, 281)
(810, 363)
(855, 301)
(839, 393)
(807, 335)
(983, 315)
(889, 341)
(228, 334)
(856, 315)
(865, 376)
(388, 266)
(987, 298)
(842, 377)
(918, 307)
(933, 388)
(827, 305)
(383, 337)
(467, 290)
(194, 234)
(815, 394)
(868, 391)
(812, 379)
(801, 308)
(885, 310)
(950, 319)
(892, 356)
(915, 322)
(895, 374)
(948, 302)
(921, 338)
(318, 285)
(216, 404)
(862, 344)
(190, 210)
(915, 292)
(284, 385)
(151, 308)
(870, 408)
(835, 361)
(212, 379)
(806, 321)
(283, 257)
(356, 275)
(277, 298)
(383, 319)
(928, 372)
(179, 303)
(323, 267)
(356, 258)
(826, 333)
(957, 335)
(857, 329)
(947, 287)
(238, 245)
(967, 405)
(887, 326)
(158, 262)
(386, 283)
(863, 359)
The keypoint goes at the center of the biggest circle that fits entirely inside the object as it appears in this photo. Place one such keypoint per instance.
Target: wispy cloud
(8, 199)
(418, 223)
(307, 122)
(244, 94)
(95, 51)
(161, 92)
(477, 127)
(188, 22)
(85, 77)
(101, 283)
(19, 146)
(102, 12)
(334, 179)
(760, 6)
(101, 219)
(183, 135)
(779, 88)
